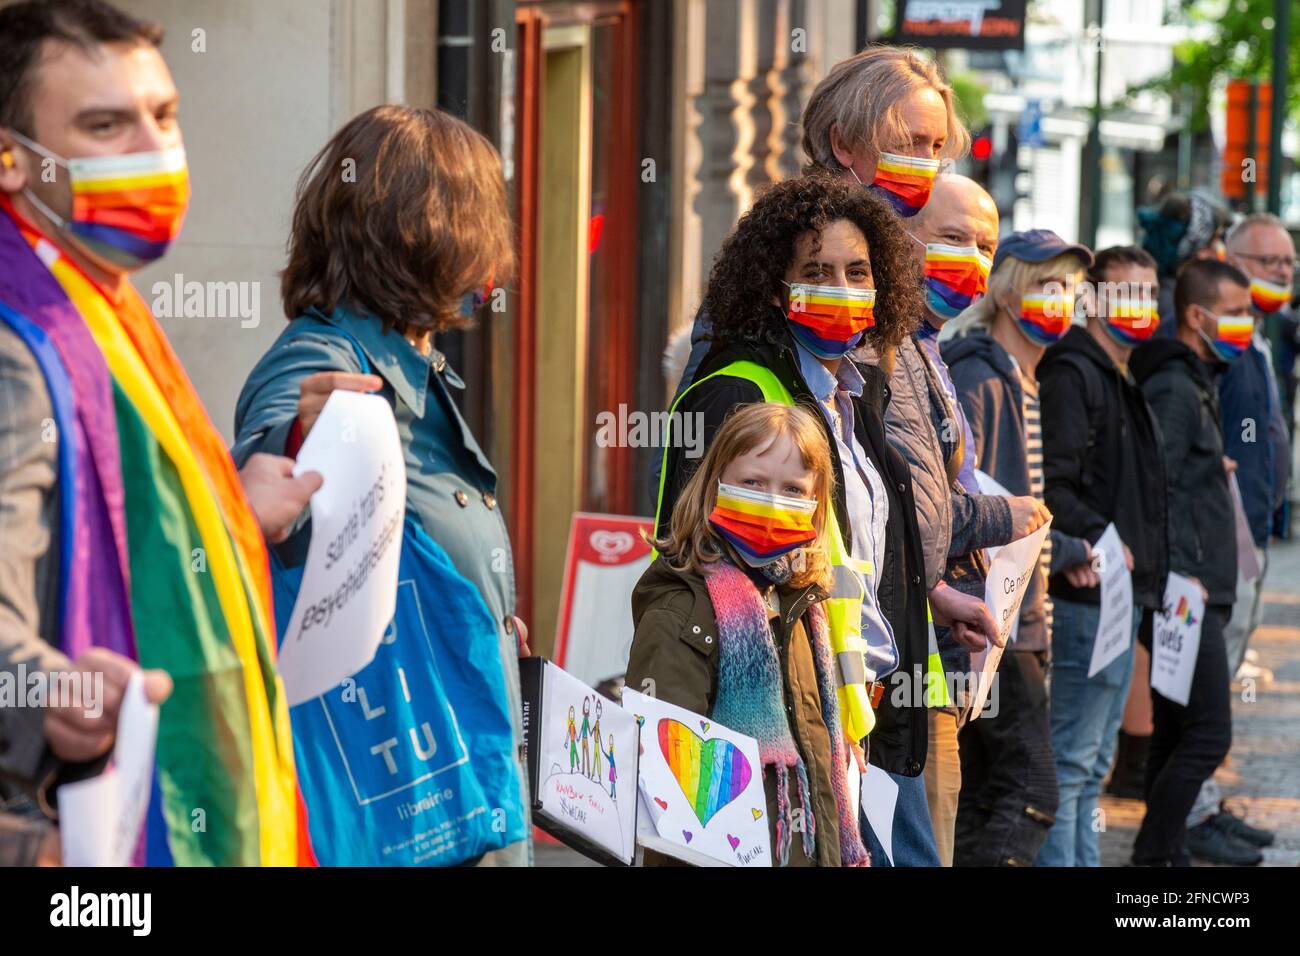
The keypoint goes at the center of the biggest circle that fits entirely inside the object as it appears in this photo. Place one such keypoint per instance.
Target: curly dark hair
(747, 273)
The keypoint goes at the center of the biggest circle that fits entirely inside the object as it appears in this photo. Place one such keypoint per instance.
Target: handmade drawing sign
(701, 786)
(582, 763)
(712, 773)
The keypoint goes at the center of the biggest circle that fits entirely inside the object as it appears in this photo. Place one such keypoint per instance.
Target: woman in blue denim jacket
(400, 229)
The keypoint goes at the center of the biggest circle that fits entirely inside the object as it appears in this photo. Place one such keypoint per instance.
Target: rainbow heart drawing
(687, 834)
(756, 812)
(663, 804)
(711, 773)
(704, 726)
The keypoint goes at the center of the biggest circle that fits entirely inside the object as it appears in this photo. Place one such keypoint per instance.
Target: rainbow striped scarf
(750, 699)
(162, 560)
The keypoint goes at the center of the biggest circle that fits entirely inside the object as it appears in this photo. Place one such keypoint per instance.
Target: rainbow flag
(829, 320)
(1268, 296)
(165, 560)
(905, 181)
(1235, 331)
(761, 526)
(1184, 612)
(1045, 317)
(1133, 320)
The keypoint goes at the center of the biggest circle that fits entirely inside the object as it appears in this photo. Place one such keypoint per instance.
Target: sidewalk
(1262, 781)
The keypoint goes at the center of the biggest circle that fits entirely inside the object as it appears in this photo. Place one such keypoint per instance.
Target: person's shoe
(1228, 821)
(1249, 671)
(1128, 779)
(1213, 844)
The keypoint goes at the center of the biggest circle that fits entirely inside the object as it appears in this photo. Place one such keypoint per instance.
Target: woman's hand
(314, 392)
(1028, 514)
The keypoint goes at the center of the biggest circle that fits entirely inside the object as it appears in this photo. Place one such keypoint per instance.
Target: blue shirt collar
(393, 357)
(822, 382)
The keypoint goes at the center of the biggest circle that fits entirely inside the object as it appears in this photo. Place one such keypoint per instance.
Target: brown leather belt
(877, 690)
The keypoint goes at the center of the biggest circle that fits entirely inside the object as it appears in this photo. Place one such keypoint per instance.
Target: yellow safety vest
(844, 606)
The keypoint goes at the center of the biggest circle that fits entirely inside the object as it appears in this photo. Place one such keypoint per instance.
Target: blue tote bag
(410, 762)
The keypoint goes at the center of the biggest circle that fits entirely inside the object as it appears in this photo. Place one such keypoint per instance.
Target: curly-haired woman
(817, 267)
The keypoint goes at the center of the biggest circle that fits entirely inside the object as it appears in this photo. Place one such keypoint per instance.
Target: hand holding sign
(1115, 622)
(349, 585)
(100, 819)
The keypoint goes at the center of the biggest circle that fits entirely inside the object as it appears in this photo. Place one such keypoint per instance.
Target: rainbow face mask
(904, 181)
(955, 276)
(126, 209)
(829, 320)
(1131, 322)
(1044, 316)
(1267, 296)
(1231, 337)
(762, 526)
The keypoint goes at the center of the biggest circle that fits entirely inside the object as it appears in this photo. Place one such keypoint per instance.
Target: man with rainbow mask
(131, 541)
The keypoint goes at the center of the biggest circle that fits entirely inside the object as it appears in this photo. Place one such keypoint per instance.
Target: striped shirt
(1034, 453)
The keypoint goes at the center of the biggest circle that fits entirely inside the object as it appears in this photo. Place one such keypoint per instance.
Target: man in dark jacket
(1102, 465)
(1178, 378)
(1254, 433)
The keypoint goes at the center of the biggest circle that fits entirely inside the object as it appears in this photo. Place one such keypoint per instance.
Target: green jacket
(675, 646)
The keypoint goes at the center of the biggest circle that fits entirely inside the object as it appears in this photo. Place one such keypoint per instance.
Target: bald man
(956, 237)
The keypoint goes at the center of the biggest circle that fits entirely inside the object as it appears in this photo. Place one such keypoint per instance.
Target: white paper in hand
(100, 819)
(349, 584)
(1175, 639)
(1115, 623)
(1247, 557)
(879, 798)
(1010, 572)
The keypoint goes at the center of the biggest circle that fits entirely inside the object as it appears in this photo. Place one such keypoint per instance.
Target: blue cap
(1038, 245)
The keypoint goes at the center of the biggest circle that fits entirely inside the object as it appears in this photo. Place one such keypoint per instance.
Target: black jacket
(899, 741)
(1185, 399)
(989, 387)
(1102, 463)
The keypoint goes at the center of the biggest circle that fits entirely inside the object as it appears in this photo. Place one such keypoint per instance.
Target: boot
(1128, 777)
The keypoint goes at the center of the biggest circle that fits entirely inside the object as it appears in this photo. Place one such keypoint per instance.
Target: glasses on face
(1288, 263)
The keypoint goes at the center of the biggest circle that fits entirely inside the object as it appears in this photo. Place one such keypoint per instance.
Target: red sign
(607, 555)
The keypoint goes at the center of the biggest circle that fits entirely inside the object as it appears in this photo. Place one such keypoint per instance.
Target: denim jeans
(913, 837)
(1086, 714)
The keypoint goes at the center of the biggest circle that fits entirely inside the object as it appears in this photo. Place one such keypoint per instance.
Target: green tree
(1240, 45)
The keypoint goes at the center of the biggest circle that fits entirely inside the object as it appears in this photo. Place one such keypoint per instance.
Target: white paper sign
(587, 746)
(1248, 565)
(349, 585)
(1115, 623)
(991, 486)
(1175, 639)
(879, 797)
(726, 822)
(100, 819)
(1011, 571)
